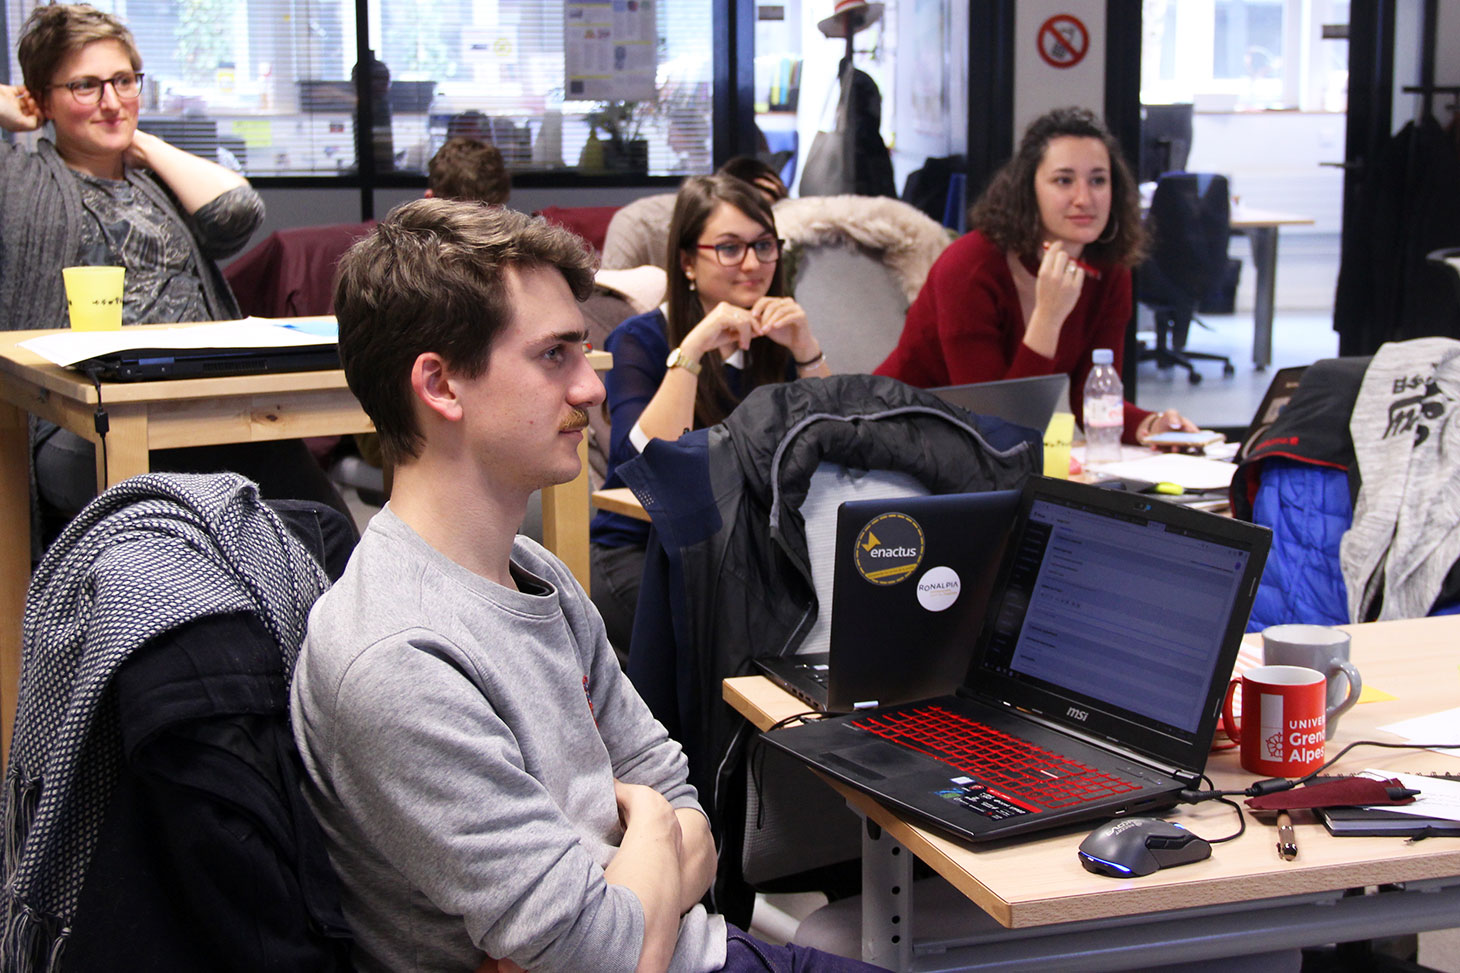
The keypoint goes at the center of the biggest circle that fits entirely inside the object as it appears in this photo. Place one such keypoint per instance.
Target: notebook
(1362, 821)
(1096, 681)
(1025, 402)
(146, 364)
(910, 580)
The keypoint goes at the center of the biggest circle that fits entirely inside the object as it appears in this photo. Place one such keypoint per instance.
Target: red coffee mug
(1283, 710)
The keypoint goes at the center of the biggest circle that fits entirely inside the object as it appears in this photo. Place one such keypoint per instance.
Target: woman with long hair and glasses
(1043, 279)
(725, 328)
(96, 190)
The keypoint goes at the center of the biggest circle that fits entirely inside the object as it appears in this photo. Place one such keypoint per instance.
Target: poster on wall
(609, 50)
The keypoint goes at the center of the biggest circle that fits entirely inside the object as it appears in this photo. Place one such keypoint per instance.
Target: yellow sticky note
(257, 133)
(1372, 695)
(1057, 438)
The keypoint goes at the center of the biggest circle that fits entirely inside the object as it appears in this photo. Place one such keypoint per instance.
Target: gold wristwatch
(678, 359)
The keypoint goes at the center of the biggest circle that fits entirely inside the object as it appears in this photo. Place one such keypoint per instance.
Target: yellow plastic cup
(94, 297)
(1058, 436)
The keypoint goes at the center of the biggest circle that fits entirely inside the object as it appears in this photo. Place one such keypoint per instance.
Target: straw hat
(862, 13)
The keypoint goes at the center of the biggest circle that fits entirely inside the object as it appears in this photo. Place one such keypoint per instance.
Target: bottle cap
(1102, 356)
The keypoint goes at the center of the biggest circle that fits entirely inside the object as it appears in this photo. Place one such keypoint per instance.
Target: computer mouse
(1128, 847)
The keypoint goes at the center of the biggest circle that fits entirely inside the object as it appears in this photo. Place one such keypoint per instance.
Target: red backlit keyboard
(1014, 771)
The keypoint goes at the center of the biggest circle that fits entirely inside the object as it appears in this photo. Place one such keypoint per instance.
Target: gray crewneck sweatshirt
(461, 740)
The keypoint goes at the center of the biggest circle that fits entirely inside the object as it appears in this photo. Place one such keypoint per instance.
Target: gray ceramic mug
(1322, 648)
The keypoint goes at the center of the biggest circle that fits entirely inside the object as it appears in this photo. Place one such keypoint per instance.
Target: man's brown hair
(466, 168)
(432, 277)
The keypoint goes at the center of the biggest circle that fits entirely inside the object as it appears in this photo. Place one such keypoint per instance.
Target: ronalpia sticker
(938, 588)
(889, 549)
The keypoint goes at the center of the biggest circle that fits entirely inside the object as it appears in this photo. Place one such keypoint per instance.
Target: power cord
(757, 757)
(1241, 818)
(1273, 785)
(101, 421)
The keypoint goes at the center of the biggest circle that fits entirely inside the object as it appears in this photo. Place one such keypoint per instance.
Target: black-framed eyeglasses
(87, 91)
(731, 253)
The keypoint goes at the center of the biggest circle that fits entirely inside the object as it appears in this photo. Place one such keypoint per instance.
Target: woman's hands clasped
(728, 328)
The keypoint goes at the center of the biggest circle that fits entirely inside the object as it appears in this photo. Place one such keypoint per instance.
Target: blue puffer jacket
(1307, 506)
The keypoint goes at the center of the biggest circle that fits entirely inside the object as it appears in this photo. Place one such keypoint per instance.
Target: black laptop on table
(305, 344)
(1096, 682)
(148, 364)
(911, 577)
(1028, 402)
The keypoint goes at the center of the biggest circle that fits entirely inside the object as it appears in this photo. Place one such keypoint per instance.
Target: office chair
(855, 263)
(1189, 223)
(1165, 139)
(1445, 259)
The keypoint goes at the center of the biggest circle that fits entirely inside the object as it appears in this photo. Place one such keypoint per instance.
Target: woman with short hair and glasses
(99, 192)
(725, 329)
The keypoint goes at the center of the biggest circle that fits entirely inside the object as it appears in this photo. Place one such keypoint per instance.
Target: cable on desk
(102, 422)
(1241, 818)
(757, 757)
(1273, 785)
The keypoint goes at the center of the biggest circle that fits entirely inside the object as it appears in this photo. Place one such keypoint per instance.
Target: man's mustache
(577, 419)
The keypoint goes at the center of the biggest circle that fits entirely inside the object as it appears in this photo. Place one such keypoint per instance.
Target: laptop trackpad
(872, 761)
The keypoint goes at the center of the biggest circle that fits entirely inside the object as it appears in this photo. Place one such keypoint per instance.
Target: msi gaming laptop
(1095, 685)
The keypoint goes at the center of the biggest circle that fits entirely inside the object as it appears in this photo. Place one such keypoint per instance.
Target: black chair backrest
(1190, 223)
(1165, 139)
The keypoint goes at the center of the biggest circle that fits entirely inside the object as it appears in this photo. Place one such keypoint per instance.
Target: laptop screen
(1119, 614)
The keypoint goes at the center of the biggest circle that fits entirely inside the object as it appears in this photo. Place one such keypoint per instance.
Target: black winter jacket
(727, 577)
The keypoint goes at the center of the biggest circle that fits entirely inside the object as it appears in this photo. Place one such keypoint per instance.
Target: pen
(1092, 272)
(1287, 846)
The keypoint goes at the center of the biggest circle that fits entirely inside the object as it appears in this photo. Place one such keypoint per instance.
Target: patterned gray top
(125, 227)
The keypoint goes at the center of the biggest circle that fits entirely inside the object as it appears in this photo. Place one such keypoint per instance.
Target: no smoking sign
(1063, 41)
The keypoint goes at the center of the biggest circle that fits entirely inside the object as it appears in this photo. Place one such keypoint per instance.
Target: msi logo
(1079, 714)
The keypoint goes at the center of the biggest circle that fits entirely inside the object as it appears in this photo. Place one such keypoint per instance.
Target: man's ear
(431, 382)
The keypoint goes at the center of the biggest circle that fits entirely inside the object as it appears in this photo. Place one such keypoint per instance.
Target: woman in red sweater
(1044, 278)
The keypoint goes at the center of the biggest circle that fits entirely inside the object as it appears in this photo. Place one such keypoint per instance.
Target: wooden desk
(1261, 229)
(620, 500)
(186, 412)
(1039, 882)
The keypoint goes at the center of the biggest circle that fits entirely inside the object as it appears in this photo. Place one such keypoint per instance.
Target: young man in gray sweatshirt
(494, 794)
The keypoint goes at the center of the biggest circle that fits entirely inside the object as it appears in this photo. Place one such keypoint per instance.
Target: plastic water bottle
(1104, 410)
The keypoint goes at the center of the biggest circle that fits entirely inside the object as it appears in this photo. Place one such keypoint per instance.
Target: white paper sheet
(1437, 797)
(1191, 472)
(1441, 727)
(69, 347)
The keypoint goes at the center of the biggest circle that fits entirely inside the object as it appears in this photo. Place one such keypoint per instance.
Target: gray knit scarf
(148, 555)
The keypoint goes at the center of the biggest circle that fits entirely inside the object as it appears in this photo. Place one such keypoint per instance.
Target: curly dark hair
(698, 197)
(1008, 212)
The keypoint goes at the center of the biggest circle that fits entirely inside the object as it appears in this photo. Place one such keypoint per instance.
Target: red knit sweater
(966, 326)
